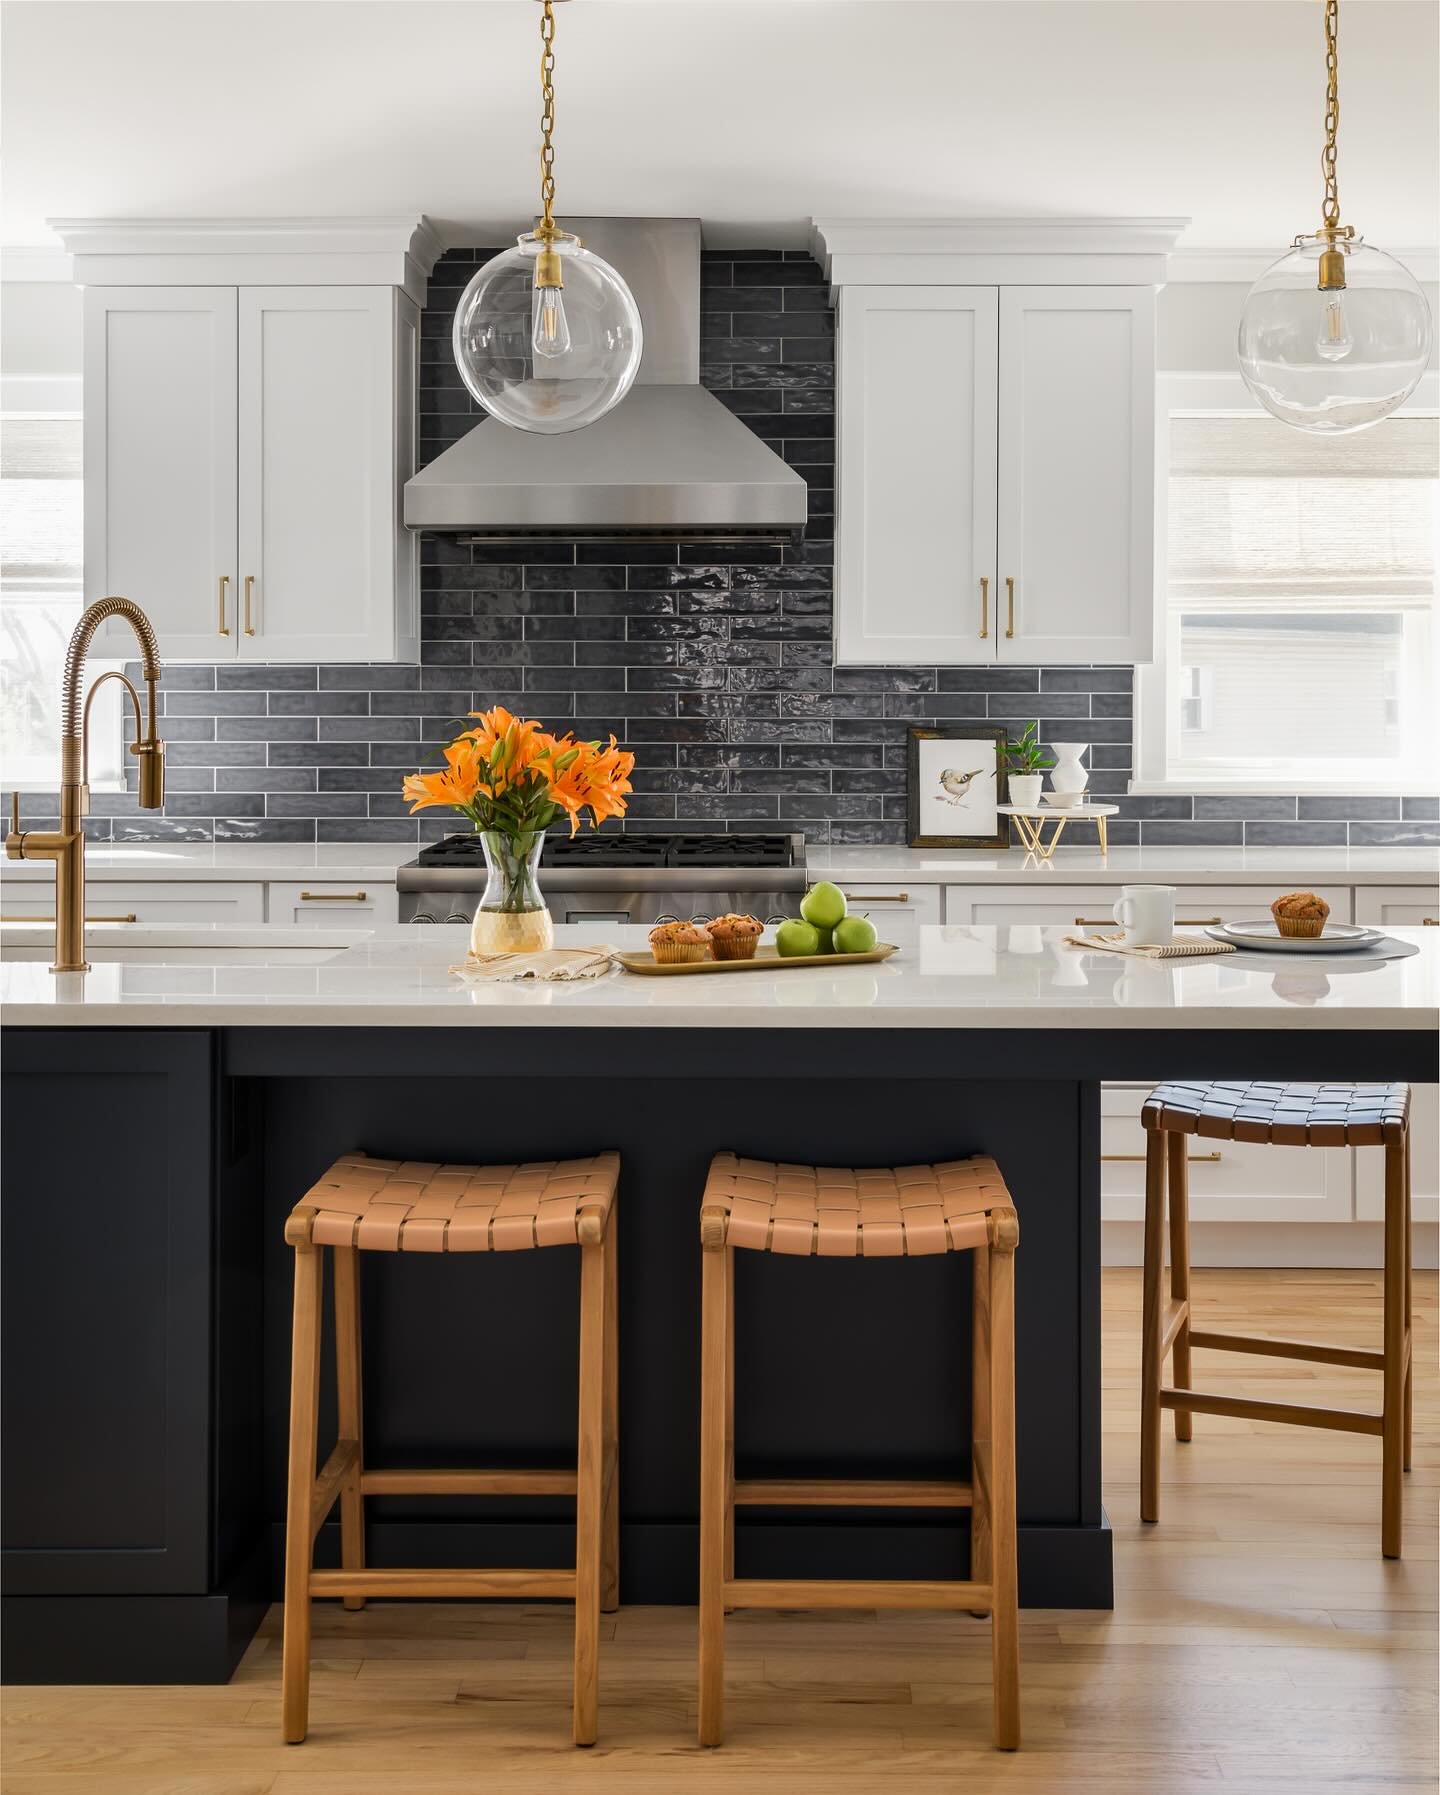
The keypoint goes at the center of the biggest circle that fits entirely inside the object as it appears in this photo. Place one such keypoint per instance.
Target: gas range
(617, 877)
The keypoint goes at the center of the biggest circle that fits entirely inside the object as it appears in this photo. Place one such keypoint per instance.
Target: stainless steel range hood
(669, 460)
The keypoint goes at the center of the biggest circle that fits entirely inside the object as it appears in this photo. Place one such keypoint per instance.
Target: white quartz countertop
(951, 977)
(377, 862)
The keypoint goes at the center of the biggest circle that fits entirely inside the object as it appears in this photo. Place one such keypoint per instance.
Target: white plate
(1339, 938)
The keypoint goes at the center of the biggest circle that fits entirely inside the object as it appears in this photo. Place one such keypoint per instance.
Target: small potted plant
(512, 781)
(1028, 763)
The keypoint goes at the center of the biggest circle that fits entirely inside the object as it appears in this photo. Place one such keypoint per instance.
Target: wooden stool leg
(729, 1554)
(980, 1429)
(304, 1406)
(1409, 1313)
(1150, 1323)
(1004, 1616)
(349, 1407)
(714, 1358)
(588, 1498)
(1393, 1434)
(1179, 1199)
(610, 1502)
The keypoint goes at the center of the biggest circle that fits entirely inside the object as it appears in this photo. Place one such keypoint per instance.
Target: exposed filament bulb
(551, 333)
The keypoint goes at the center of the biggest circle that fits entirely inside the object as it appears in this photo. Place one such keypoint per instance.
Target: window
(1294, 646)
(41, 567)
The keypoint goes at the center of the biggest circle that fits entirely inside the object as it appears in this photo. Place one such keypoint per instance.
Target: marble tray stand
(1030, 820)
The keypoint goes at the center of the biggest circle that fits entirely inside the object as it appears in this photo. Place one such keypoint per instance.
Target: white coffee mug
(1147, 914)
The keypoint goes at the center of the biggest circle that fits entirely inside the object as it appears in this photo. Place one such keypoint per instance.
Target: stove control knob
(666, 916)
(422, 916)
(457, 916)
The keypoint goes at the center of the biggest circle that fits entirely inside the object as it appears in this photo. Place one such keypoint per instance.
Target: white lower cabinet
(1399, 906)
(148, 902)
(896, 911)
(1230, 1181)
(1424, 1164)
(324, 904)
(1092, 906)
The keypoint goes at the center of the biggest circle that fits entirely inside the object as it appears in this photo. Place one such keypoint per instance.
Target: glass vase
(511, 918)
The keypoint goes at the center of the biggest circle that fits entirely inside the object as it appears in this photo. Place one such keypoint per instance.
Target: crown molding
(985, 251)
(1243, 267)
(382, 251)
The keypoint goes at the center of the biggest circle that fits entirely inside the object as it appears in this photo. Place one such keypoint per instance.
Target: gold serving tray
(766, 960)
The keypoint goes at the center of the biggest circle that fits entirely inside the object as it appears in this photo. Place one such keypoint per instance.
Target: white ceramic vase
(1068, 774)
(1024, 789)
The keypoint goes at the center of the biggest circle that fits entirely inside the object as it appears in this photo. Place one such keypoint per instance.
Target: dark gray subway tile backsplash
(714, 665)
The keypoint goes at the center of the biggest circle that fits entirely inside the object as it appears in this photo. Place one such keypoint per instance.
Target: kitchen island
(165, 1110)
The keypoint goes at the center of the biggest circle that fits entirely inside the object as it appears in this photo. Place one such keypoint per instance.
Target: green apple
(827, 940)
(854, 935)
(824, 905)
(795, 938)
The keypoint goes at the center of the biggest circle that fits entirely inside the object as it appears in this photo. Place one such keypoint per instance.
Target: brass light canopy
(1336, 334)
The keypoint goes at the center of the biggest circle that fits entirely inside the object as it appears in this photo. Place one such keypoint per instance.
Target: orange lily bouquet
(510, 776)
(513, 780)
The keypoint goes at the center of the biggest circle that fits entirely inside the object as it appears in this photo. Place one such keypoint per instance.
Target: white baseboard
(1307, 1244)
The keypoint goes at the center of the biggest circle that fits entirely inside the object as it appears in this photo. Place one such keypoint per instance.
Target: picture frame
(955, 780)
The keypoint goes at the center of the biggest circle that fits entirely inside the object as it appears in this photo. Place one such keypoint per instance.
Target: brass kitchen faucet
(66, 846)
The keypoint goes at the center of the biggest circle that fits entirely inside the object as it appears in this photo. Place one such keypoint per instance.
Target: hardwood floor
(1259, 1643)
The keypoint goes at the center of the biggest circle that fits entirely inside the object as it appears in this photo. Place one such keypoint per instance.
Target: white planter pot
(1024, 789)
(1068, 774)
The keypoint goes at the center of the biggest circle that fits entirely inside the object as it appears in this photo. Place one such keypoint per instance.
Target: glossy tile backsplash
(714, 666)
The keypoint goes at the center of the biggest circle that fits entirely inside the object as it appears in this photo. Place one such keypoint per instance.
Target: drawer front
(1424, 1163)
(1400, 906)
(897, 910)
(322, 904)
(1230, 1181)
(147, 901)
(1091, 906)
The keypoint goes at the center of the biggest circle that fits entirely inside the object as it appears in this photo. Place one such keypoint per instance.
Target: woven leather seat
(416, 1206)
(837, 1212)
(1285, 1115)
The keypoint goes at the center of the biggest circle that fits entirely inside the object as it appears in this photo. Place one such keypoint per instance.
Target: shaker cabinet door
(1077, 499)
(915, 476)
(317, 482)
(160, 395)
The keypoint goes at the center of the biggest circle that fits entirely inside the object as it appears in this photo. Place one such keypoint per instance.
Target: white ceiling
(755, 115)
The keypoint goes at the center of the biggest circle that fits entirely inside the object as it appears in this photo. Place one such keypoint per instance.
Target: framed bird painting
(955, 780)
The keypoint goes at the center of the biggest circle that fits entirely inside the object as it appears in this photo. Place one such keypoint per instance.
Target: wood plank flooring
(1259, 1643)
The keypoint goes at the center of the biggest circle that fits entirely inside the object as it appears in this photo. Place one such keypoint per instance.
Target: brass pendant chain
(1330, 211)
(547, 122)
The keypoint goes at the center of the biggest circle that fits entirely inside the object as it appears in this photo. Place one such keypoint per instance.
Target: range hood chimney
(668, 461)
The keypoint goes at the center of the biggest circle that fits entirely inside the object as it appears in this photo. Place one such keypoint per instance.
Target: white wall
(41, 343)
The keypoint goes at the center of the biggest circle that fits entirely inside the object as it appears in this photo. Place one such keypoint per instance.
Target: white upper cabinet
(249, 431)
(1077, 481)
(160, 449)
(916, 493)
(995, 425)
(318, 474)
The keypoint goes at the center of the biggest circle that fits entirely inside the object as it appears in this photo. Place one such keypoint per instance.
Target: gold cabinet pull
(1181, 922)
(249, 596)
(1430, 922)
(224, 582)
(879, 897)
(50, 919)
(984, 608)
(1009, 608)
(1195, 1159)
(332, 897)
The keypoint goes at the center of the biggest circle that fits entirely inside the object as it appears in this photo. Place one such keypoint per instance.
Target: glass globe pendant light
(547, 336)
(1335, 334)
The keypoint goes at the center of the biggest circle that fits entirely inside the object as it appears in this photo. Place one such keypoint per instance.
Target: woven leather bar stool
(1285, 1115)
(833, 1212)
(391, 1206)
